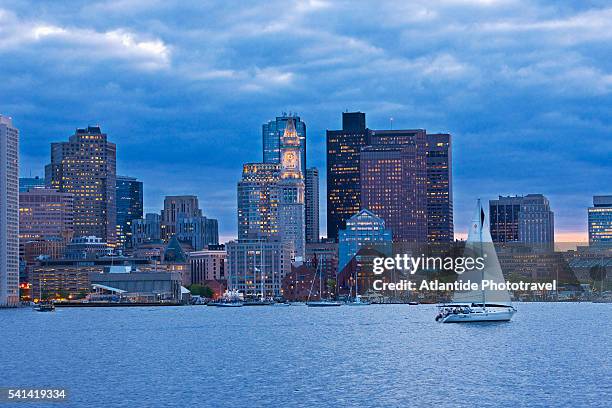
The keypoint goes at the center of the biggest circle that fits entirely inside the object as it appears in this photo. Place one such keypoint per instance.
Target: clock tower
(291, 210)
(291, 166)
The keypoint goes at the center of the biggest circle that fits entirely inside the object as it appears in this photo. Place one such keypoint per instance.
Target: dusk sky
(182, 88)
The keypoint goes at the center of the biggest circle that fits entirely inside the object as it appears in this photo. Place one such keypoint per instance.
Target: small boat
(484, 305)
(45, 307)
(358, 302)
(413, 303)
(323, 303)
(229, 304)
(280, 304)
(258, 302)
(230, 298)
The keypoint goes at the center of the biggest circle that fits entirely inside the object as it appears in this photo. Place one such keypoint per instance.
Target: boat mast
(484, 296)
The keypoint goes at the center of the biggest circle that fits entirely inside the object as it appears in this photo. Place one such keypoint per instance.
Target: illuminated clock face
(290, 159)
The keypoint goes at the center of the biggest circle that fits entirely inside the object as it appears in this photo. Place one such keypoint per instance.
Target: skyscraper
(439, 188)
(129, 207)
(343, 170)
(273, 131)
(199, 231)
(258, 200)
(362, 229)
(393, 178)
(9, 213)
(85, 166)
(146, 229)
(311, 202)
(527, 219)
(600, 221)
(175, 206)
(291, 212)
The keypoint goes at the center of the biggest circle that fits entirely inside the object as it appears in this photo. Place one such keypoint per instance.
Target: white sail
(480, 244)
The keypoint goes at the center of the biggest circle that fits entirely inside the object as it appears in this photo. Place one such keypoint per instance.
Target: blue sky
(525, 87)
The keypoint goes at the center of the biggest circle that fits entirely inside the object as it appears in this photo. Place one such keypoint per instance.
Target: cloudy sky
(525, 87)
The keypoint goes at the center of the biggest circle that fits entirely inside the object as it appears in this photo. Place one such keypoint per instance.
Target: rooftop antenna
(391, 120)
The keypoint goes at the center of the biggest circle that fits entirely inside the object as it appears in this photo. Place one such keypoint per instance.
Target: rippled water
(380, 356)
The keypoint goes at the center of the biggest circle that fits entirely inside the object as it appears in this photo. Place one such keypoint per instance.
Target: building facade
(146, 229)
(393, 178)
(45, 213)
(198, 231)
(273, 131)
(364, 229)
(9, 213)
(440, 226)
(129, 207)
(526, 219)
(260, 264)
(258, 200)
(343, 170)
(600, 221)
(85, 166)
(208, 265)
(311, 202)
(175, 206)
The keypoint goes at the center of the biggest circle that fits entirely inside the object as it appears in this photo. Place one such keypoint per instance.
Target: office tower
(311, 201)
(393, 178)
(256, 263)
(439, 188)
(26, 183)
(526, 219)
(173, 207)
(85, 166)
(343, 170)
(600, 221)
(129, 207)
(363, 229)
(9, 213)
(258, 200)
(291, 212)
(273, 131)
(208, 264)
(146, 229)
(199, 231)
(45, 213)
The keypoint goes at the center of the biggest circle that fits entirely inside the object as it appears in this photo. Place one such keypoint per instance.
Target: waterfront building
(311, 202)
(291, 211)
(258, 200)
(525, 219)
(9, 213)
(272, 133)
(302, 284)
(251, 262)
(439, 188)
(85, 166)
(322, 255)
(45, 213)
(364, 229)
(343, 170)
(26, 183)
(208, 264)
(146, 229)
(175, 259)
(129, 207)
(199, 231)
(600, 222)
(141, 287)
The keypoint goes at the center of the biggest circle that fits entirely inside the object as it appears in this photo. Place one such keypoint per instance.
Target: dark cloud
(183, 87)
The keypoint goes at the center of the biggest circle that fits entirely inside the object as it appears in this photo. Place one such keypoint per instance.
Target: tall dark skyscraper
(439, 188)
(343, 177)
(129, 207)
(311, 203)
(271, 138)
(85, 166)
(394, 182)
(174, 208)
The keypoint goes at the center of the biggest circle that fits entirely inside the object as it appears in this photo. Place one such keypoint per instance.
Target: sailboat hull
(488, 315)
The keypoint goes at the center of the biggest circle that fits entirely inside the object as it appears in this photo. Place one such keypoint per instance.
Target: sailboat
(484, 305)
(321, 302)
(357, 301)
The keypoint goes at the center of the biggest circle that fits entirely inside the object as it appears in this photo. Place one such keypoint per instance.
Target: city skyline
(148, 96)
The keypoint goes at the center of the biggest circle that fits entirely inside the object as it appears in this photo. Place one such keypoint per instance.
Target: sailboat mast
(484, 296)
